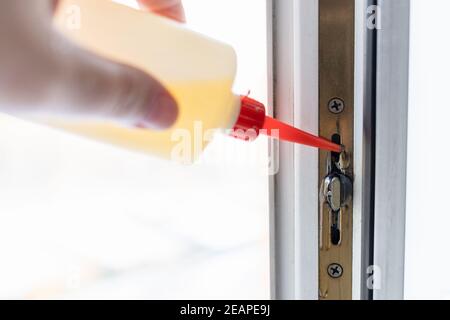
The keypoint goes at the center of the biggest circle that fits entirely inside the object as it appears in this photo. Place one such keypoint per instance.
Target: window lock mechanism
(337, 191)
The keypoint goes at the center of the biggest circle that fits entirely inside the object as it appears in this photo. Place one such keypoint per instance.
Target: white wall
(428, 212)
(80, 219)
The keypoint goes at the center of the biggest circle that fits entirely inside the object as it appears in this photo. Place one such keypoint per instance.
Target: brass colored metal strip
(336, 86)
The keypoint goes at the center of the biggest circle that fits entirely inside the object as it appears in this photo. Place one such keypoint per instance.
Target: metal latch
(337, 190)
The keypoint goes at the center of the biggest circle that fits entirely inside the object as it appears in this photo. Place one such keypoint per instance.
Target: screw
(335, 270)
(336, 105)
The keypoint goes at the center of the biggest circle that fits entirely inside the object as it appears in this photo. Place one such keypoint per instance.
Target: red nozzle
(289, 133)
(252, 121)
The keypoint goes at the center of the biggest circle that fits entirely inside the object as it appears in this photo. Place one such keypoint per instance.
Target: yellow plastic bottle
(198, 71)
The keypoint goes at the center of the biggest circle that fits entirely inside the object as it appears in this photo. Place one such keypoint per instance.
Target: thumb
(92, 87)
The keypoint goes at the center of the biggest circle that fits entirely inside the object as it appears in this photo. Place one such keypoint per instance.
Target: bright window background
(428, 215)
(79, 219)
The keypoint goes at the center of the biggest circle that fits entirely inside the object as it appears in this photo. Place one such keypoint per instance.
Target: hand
(36, 79)
(169, 8)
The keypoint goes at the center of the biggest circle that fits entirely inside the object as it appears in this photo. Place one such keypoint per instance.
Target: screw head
(336, 105)
(335, 270)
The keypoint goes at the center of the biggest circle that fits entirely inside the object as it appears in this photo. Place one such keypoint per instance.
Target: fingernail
(163, 112)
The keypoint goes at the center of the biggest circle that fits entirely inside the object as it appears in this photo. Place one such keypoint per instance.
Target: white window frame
(294, 231)
(381, 104)
(391, 147)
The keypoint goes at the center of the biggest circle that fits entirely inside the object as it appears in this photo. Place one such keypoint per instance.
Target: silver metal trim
(365, 141)
(359, 143)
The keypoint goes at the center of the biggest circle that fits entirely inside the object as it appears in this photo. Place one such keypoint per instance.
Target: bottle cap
(250, 121)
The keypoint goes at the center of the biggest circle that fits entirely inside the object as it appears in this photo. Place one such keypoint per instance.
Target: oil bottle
(198, 71)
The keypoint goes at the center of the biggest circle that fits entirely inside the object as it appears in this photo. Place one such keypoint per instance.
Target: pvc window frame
(381, 106)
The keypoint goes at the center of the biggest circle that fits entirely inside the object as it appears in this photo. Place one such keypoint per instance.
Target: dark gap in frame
(335, 230)
(369, 158)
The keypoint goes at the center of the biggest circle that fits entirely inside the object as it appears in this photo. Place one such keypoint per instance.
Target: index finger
(169, 8)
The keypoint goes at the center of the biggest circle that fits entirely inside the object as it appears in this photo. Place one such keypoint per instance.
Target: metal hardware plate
(336, 113)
